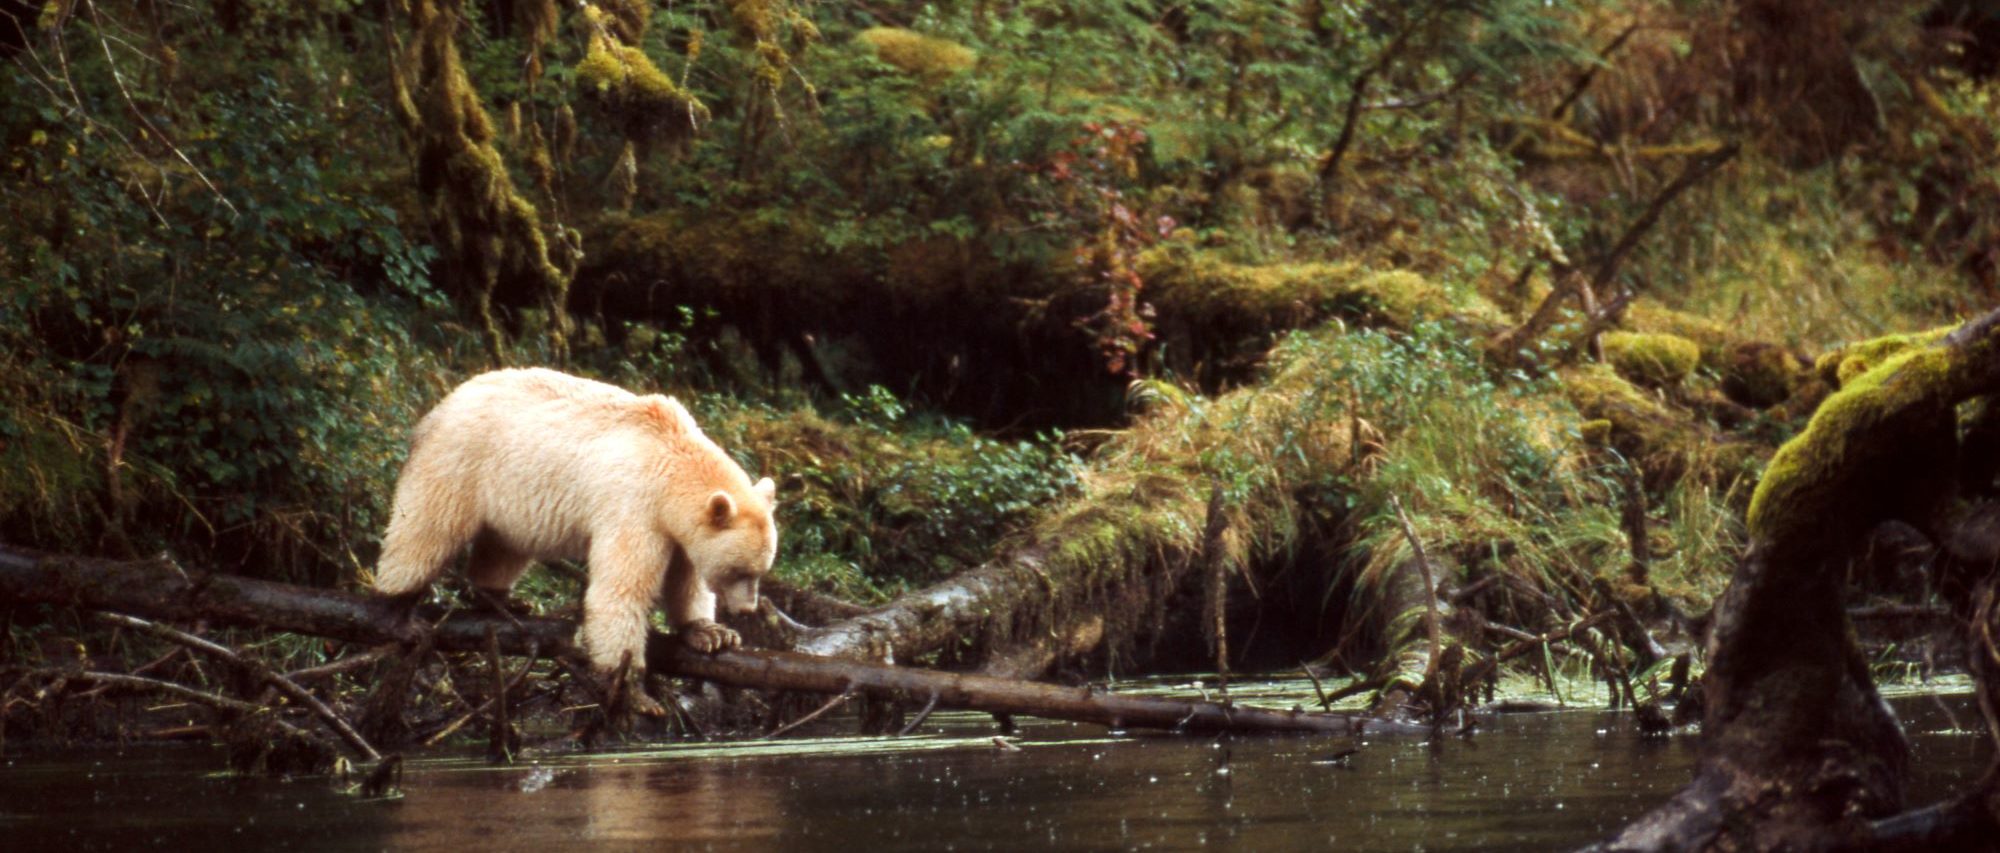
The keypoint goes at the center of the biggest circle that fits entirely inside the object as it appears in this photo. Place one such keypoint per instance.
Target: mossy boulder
(1647, 316)
(916, 54)
(1652, 359)
(1664, 441)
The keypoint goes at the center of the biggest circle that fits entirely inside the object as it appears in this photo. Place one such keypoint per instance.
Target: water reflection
(1532, 782)
(688, 802)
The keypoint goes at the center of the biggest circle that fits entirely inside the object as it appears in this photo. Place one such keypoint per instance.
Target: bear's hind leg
(428, 524)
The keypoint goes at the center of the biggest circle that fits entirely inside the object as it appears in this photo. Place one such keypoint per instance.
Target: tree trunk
(1799, 752)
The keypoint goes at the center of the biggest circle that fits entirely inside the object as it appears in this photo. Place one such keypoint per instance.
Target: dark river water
(1545, 781)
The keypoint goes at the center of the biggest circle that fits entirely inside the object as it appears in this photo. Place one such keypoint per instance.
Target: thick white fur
(537, 464)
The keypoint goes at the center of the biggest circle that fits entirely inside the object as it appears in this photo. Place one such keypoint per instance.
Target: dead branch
(1486, 665)
(154, 685)
(1589, 75)
(1329, 166)
(1218, 586)
(815, 714)
(1509, 343)
(258, 671)
(1431, 626)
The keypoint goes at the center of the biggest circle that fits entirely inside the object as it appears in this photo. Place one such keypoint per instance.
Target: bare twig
(1325, 704)
(831, 704)
(139, 682)
(500, 740)
(1509, 343)
(1329, 166)
(1486, 664)
(1584, 80)
(259, 671)
(1218, 586)
(1432, 626)
(140, 114)
(351, 662)
(921, 715)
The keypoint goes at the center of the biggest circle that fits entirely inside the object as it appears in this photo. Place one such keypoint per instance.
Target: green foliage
(886, 499)
(232, 367)
(230, 371)
(1497, 466)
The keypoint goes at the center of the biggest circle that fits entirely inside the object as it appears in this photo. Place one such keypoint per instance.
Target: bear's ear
(767, 490)
(721, 509)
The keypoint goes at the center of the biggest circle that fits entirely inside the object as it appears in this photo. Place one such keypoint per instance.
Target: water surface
(1525, 782)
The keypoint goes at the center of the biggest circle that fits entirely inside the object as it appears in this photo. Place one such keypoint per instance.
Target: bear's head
(737, 542)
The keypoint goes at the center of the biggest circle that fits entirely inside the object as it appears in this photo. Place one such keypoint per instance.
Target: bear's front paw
(707, 637)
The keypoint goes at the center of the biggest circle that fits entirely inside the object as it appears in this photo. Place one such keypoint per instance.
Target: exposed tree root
(1799, 751)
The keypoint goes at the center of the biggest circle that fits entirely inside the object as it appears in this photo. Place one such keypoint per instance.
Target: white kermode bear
(537, 464)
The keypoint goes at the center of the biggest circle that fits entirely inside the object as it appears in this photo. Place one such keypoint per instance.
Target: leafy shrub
(232, 366)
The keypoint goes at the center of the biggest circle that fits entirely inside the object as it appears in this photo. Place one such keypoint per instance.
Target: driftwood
(1799, 751)
(161, 590)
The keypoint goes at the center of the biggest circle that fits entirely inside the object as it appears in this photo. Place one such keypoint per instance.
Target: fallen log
(162, 590)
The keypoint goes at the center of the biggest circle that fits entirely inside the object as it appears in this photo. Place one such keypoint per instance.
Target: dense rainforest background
(1143, 287)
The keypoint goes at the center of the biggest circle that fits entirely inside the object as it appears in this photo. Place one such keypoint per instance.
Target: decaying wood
(162, 590)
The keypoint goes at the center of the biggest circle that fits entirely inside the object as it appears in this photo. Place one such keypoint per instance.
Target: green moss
(1595, 432)
(1794, 492)
(1840, 366)
(916, 54)
(1642, 427)
(1658, 360)
(1200, 283)
(1712, 337)
(642, 96)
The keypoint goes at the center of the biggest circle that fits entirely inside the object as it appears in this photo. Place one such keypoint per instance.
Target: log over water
(161, 589)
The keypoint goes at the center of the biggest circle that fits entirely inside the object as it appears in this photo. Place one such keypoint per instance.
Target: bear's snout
(740, 598)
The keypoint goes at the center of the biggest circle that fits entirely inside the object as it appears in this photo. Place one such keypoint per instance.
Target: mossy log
(997, 339)
(1799, 750)
(163, 590)
(1102, 570)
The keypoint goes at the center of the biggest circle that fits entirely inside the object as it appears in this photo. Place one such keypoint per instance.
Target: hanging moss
(916, 54)
(637, 93)
(489, 229)
(1657, 360)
